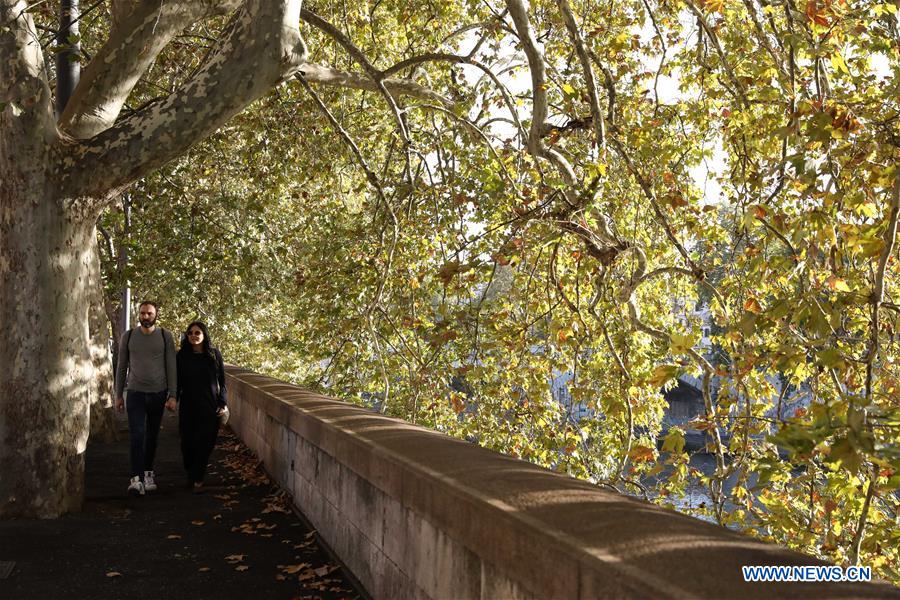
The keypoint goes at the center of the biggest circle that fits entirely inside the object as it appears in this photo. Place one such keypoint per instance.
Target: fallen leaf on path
(274, 508)
(235, 558)
(291, 569)
(113, 574)
(241, 568)
(247, 528)
(323, 571)
(203, 569)
(173, 536)
(198, 523)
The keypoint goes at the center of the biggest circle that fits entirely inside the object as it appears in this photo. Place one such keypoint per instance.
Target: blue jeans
(145, 411)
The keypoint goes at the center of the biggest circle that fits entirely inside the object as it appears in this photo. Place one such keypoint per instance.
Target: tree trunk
(45, 264)
(103, 417)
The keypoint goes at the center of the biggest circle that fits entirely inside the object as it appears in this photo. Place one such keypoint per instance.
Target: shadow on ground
(239, 539)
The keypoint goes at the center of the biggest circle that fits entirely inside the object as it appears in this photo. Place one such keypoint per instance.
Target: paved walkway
(237, 540)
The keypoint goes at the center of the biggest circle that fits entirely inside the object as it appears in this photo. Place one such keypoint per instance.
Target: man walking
(147, 370)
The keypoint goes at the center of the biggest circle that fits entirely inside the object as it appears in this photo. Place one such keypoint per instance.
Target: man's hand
(120, 403)
(171, 403)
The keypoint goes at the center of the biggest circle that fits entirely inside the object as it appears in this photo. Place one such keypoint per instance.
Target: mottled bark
(48, 370)
(140, 34)
(263, 48)
(43, 317)
(103, 417)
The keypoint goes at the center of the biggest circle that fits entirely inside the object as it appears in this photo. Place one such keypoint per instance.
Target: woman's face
(195, 336)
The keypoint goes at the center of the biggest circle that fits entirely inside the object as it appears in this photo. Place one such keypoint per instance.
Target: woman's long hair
(207, 343)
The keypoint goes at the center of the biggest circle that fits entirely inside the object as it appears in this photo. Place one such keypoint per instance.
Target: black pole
(68, 67)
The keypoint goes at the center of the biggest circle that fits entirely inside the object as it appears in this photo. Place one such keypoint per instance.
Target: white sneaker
(149, 482)
(136, 487)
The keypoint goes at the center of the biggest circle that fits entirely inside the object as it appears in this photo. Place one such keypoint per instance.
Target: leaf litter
(241, 462)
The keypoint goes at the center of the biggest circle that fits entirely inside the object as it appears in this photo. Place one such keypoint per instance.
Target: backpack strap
(165, 355)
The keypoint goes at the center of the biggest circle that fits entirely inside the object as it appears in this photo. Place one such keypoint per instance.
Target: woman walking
(201, 400)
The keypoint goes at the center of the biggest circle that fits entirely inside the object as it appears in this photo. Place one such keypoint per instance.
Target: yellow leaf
(674, 441)
(837, 284)
(662, 374)
(838, 64)
(868, 209)
(681, 342)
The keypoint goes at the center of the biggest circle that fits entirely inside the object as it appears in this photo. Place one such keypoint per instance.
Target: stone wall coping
(558, 536)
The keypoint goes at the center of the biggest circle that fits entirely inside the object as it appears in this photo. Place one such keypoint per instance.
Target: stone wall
(416, 514)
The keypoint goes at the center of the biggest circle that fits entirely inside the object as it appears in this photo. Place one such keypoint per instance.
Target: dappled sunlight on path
(239, 539)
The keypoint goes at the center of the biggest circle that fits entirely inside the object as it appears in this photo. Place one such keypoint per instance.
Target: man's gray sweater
(145, 364)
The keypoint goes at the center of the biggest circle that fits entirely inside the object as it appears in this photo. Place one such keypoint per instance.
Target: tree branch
(314, 73)
(357, 55)
(738, 86)
(764, 40)
(648, 192)
(131, 48)
(25, 99)
(370, 174)
(262, 50)
(589, 81)
(518, 10)
(455, 58)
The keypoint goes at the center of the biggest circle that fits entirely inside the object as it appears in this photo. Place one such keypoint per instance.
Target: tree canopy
(453, 203)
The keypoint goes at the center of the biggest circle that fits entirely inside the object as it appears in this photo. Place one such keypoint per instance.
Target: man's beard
(148, 323)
